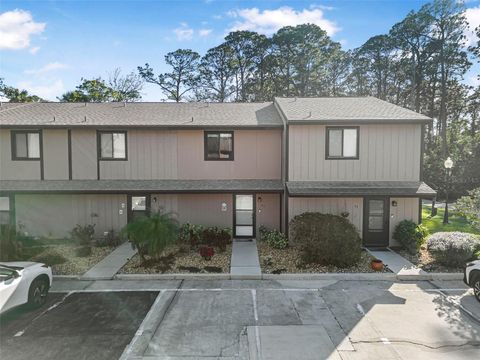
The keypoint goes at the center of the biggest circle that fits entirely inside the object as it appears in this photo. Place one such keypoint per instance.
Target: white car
(23, 282)
(471, 277)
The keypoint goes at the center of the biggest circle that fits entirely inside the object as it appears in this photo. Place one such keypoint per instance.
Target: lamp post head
(448, 163)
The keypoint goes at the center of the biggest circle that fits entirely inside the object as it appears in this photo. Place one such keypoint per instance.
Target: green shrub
(110, 239)
(326, 239)
(190, 234)
(11, 247)
(452, 248)
(469, 207)
(276, 239)
(50, 257)
(410, 235)
(152, 234)
(217, 237)
(83, 234)
(263, 231)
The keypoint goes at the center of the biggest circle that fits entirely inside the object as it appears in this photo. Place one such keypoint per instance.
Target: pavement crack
(416, 343)
(234, 343)
(295, 309)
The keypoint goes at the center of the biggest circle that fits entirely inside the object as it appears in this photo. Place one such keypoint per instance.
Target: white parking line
(257, 331)
(21, 332)
(360, 309)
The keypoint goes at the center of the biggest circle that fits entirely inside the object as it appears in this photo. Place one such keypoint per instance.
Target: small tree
(469, 207)
(152, 234)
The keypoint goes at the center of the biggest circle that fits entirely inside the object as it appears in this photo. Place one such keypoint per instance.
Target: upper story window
(26, 145)
(113, 145)
(342, 143)
(218, 145)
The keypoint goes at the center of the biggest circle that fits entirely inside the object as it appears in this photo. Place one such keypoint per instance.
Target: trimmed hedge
(453, 248)
(326, 239)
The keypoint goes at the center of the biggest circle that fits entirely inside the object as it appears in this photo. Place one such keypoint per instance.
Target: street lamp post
(448, 164)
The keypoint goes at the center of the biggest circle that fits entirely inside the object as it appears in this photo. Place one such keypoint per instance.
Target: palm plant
(152, 234)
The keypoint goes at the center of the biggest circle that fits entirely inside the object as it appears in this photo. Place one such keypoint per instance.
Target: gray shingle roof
(345, 109)
(119, 186)
(357, 188)
(140, 114)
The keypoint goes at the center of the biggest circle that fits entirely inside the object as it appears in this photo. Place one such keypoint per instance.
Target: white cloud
(204, 32)
(45, 91)
(473, 18)
(269, 21)
(47, 68)
(184, 32)
(34, 50)
(16, 28)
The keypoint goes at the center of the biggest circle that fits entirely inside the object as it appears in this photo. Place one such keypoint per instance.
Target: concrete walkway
(111, 264)
(244, 263)
(398, 264)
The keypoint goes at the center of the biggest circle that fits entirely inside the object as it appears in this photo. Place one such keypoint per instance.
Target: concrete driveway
(262, 320)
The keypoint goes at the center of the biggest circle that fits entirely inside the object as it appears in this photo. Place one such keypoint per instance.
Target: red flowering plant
(206, 252)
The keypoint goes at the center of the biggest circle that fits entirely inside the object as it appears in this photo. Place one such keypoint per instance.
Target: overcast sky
(47, 46)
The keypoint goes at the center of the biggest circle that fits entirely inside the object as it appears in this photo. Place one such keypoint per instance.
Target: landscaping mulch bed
(275, 261)
(176, 261)
(74, 265)
(426, 262)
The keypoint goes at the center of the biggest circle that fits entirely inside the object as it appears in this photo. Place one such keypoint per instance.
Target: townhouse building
(237, 165)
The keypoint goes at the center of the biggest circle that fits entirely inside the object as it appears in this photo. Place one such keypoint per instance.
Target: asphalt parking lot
(77, 326)
(325, 319)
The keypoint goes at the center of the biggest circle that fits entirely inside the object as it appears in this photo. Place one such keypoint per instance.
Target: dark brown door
(375, 221)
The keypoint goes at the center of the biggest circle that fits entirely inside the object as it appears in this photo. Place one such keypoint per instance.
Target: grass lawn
(455, 222)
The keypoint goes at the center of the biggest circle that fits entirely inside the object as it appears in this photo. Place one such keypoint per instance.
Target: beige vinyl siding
(201, 209)
(387, 153)
(257, 155)
(206, 209)
(15, 170)
(335, 206)
(268, 211)
(55, 215)
(152, 154)
(84, 154)
(406, 209)
(55, 154)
